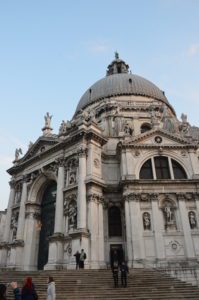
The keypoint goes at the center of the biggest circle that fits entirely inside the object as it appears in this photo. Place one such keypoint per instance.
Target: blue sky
(52, 51)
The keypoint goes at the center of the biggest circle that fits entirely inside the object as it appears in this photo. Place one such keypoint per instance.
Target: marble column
(101, 233)
(128, 233)
(6, 235)
(93, 228)
(158, 227)
(81, 200)
(137, 233)
(21, 219)
(59, 210)
(190, 253)
(31, 241)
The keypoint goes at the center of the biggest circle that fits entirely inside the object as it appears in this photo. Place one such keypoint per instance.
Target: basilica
(120, 178)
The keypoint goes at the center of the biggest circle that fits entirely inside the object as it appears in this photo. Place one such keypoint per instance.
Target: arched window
(178, 171)
(146, 170)
(145, 127)
(114, 221)
(162, 169)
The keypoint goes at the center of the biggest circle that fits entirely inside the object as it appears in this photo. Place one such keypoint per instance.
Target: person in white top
(51, 293)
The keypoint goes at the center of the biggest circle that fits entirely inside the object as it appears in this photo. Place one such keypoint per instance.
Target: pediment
(40, 146)
(157, 137)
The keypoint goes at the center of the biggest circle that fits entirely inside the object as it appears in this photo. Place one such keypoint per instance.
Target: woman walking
(51, 295)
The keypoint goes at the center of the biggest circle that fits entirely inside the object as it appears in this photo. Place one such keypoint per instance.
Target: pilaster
(158, 227)
(128, 232)
(81, 200)
(186, 226)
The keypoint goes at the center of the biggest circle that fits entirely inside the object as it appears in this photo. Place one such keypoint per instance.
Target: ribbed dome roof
(120, 82)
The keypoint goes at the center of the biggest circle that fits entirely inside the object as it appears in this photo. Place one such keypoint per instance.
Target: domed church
(120, 179)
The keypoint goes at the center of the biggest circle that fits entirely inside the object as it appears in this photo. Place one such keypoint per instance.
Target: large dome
(120, 82)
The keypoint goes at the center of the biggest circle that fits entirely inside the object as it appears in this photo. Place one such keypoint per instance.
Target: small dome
(120, 82)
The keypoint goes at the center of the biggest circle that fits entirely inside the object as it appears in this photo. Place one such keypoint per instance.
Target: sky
(52, 51)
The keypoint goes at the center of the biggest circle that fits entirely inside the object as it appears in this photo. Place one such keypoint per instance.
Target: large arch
(33, 225)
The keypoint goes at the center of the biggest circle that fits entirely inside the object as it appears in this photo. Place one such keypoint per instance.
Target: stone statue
(72, 178)
(13, 225)
(17, 153)
(184, 118)
(30, 145)
(146, 221)
(63, 127)
(116, 55)
(47, 118)
(128, 130)
(72, 215)
(192, 220)
(184, 126)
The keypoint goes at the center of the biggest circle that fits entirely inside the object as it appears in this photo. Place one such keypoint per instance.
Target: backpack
(84, 255)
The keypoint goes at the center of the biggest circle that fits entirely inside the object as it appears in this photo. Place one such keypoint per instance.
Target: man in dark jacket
(124, 270)
(115, 270)
(77, 257)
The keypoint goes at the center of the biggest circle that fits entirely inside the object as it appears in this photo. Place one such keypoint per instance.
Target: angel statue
(17, 153)
(47, 118)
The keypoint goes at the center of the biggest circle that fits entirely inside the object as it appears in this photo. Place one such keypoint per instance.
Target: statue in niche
(13, 225)
(127, 128)
(17, 153)
(192, 219)
(72, 215)
(47, 119)
(72, 178)
(169, 216)
(146, 221)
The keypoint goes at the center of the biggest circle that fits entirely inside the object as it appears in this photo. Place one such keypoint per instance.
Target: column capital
(12, 183)
(132, 197)
(94, 197)
(181, 196)
(82, 150)
(154, 196)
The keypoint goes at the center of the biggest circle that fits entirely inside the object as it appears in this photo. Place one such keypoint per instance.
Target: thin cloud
(98, 47)
(193, 50)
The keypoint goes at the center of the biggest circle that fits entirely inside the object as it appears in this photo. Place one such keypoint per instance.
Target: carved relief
(192, 219)
(146, 221)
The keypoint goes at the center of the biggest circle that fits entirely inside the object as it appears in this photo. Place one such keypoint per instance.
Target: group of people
(28, 291)
(123, 271)
(80, 258)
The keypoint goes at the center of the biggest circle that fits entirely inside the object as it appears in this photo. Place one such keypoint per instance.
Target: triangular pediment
(40, 146)
(157, 137)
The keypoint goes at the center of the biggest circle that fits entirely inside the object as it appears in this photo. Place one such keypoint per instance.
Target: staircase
(145, 284)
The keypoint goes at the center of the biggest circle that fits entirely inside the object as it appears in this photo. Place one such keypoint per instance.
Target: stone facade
(126, 177)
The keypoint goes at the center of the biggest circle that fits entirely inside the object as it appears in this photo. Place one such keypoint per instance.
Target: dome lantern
(117, 66)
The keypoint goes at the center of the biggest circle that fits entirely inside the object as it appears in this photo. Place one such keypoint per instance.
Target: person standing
(124, 271)
(77, 257)
(16, 292)
(51, 293)
(28, 291)
(82, 259)
(115, 270)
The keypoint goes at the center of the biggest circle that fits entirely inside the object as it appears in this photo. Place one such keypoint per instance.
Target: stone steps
(145, 284)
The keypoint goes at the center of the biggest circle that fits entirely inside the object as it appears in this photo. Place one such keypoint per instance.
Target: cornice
(159, 181)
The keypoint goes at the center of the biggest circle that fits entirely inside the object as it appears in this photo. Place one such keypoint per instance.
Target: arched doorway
(47, 222)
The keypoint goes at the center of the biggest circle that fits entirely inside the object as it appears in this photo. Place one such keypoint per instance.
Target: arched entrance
(47, 222)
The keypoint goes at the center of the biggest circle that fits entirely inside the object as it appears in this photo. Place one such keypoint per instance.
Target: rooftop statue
(17, 153)
(47, 118)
